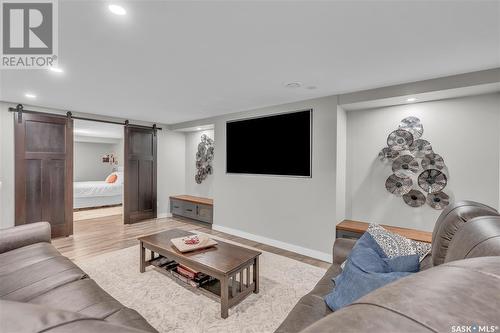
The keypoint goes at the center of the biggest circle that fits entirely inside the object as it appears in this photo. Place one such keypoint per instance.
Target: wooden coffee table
(236, 268)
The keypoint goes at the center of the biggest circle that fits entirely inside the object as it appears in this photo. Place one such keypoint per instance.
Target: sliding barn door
(140, 174)
(44, 171)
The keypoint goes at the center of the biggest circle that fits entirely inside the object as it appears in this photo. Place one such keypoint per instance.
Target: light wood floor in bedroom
(104, 234)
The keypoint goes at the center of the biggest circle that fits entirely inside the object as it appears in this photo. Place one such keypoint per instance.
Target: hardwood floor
(87, 214)
(99, 235)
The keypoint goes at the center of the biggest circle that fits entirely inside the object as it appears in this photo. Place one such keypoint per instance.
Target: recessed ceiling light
(117, 10)
(293, 84)
(411, 99)
(30, 95)
(56, 69)
(198, 128)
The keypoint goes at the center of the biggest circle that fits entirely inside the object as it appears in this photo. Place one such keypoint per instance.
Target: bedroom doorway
(61, 174)
(98, 170)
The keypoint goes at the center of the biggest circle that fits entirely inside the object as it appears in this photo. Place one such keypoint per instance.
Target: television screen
(273, 145)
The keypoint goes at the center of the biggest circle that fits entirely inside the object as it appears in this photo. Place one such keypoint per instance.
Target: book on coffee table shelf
(192, 243)
(182, 273)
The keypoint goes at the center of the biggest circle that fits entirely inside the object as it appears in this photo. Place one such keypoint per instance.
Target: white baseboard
(163, 215)
(276, 243)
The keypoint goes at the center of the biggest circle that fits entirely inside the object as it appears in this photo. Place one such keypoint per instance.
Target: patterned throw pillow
(395, 245)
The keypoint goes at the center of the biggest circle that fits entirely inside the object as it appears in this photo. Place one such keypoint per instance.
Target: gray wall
(88, 164)
(205, 189)
(297, 214)
(465, 131)
(171, 168)
(341, 164)
(6, 166)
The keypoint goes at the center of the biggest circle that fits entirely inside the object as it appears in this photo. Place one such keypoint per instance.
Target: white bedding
(96, 189)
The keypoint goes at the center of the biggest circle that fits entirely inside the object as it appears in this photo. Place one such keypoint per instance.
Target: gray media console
(196, 208)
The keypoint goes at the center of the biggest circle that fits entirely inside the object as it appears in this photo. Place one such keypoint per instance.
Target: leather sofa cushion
(311, 307)
(365, 318)
(94, 326)
(83, 296)
(414, 301)
(307, 311)
(325, 285)
(25, 317)
(87, 298)
(130, 318)
(37, 273)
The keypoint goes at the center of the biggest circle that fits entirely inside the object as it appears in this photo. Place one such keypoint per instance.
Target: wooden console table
(354, 229)
(196, 208)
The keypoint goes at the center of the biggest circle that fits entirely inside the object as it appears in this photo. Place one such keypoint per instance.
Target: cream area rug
(171, 307)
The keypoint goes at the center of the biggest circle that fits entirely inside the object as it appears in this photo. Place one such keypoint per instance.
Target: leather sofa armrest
(23, 235)
(341, 249)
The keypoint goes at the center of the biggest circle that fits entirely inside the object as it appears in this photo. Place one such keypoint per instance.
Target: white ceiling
(169, 62)
(424, 97)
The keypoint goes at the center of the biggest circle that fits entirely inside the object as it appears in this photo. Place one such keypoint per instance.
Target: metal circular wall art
(387, 154)
(432, 180)
(412, 125)
(433, 160)
(414, 198)
(415, 163)
(420, 148)
(398, 185)
(438, 200)
(405, 166)
(204, 158)
(410, 121)
(399, 139)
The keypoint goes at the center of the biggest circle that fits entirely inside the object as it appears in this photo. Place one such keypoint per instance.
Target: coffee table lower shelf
(212, 288)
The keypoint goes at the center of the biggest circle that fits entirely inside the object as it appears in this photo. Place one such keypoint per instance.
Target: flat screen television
(272, 145)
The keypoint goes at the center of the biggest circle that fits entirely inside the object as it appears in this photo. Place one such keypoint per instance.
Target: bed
(97, 193)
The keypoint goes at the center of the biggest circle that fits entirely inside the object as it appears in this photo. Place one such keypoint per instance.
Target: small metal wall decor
(415, 166)
(110, 159)
(204, 158)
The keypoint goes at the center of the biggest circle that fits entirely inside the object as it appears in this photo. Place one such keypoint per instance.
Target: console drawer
(205, 213)
(189, 210)
(177, 207)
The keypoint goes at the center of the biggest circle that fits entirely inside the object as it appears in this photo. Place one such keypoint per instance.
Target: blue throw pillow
(367, 268)
(409, 263)
(367, 241)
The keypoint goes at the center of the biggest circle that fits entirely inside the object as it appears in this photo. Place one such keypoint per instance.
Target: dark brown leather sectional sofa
(458, 286)
(42, 291)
